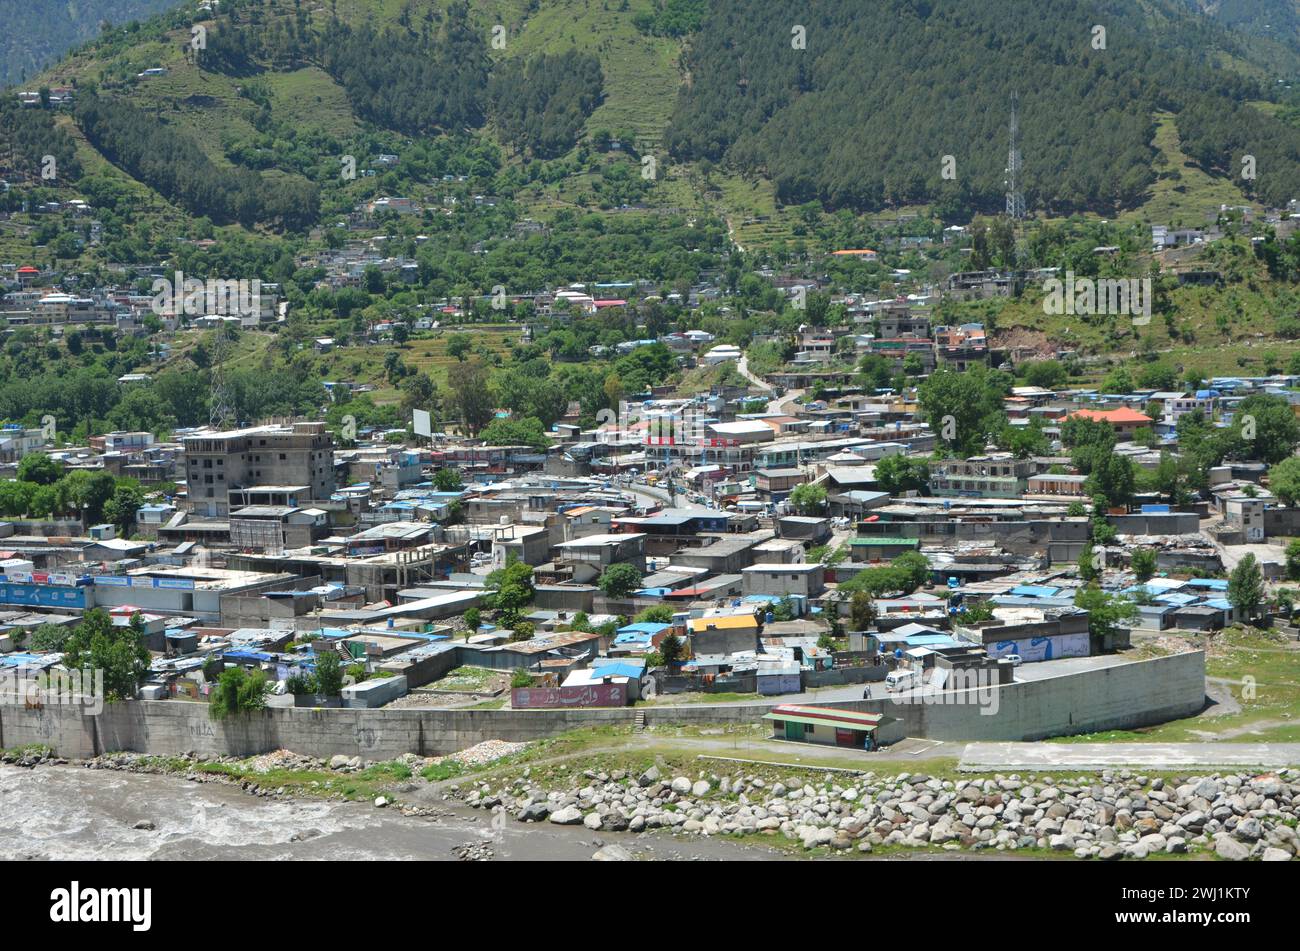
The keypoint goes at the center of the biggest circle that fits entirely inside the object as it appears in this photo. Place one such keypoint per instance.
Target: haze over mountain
(38, 32)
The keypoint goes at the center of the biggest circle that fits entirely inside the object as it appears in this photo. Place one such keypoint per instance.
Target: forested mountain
(863, 113)
(37, 32)
(1275, 19)
(903, 104)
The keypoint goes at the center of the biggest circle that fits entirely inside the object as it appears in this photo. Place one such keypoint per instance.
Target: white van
(899, 680)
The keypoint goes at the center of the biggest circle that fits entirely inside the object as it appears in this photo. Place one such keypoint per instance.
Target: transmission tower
(1015, 197)
(220, 414)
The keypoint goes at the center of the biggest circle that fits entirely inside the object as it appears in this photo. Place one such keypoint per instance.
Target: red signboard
(593, 695)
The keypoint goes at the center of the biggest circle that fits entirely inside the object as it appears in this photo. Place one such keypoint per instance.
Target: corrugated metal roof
(823, 716)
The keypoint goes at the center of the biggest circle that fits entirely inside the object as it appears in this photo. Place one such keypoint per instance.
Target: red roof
(28, 269)
(1113, 416)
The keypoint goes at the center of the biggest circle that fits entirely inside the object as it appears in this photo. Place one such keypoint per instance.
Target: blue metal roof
(1034, 591)
(644, 627)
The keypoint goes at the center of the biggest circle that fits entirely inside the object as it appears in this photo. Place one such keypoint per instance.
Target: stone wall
(1125, 696)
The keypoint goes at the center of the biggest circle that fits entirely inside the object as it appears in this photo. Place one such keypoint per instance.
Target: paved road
(983, 757)
(652, 496)
(743, 366)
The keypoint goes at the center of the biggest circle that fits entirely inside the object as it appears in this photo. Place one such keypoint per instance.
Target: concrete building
(833, 726)
(1126, 422)
(997, 476)
(217, 463)
(806, 580)
(723, 634)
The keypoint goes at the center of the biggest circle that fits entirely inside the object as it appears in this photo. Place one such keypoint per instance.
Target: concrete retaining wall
(1125, 696)
(1110, 698)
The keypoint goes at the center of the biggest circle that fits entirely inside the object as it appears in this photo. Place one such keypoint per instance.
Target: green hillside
(278, 90)
(37, 34)
(680, 144)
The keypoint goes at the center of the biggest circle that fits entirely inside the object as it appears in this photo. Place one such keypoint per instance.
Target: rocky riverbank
(1113, 815)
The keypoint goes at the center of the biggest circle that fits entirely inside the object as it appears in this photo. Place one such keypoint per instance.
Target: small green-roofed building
(833, 726)
(881, 548)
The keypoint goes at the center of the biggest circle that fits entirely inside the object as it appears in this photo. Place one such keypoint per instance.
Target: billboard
(41, 595)
(422, 422)
(592, 695)
(1042, 648)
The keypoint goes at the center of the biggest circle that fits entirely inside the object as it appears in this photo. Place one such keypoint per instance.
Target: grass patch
(1264, 675)
(469, 679)
(324, 784)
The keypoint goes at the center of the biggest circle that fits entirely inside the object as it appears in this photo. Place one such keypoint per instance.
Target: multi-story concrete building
(217, 463)
(997, 476)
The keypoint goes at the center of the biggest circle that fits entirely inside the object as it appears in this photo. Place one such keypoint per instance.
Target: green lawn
(1265, 677)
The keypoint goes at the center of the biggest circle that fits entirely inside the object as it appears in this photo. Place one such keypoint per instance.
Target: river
(72, 813)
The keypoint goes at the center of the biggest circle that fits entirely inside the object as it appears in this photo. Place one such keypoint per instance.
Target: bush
(299, 684)
(659, 614)
(237, 691)
(329, 673)
(521, 678)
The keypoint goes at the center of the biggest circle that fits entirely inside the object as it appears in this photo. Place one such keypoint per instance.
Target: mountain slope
(861, 119)
(36, 34)
(862, 115)
(1274, 19)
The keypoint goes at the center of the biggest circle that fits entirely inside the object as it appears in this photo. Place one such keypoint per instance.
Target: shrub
(237, 691)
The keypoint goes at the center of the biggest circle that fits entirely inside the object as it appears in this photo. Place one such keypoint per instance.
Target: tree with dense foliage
(40, 469)
(118, 650)
(965, 409)
(1246, 587)
(656, 614)
(1293, 559)
(905, 574)
(808, 499)
(469, 396)
(862, 611)
(237, 691)
(123, 506)
(899, 473)
(527, 431)
(1143, 563)
(1284, 480)
(511, 590)
(1087, 566)
(329, 671)
(49, 637)
(447, 480)
(1107, 613)
(619, 580)
(1112, 478)
(671, 649)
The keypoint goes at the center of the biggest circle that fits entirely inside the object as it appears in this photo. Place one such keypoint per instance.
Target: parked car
(1014, 658)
